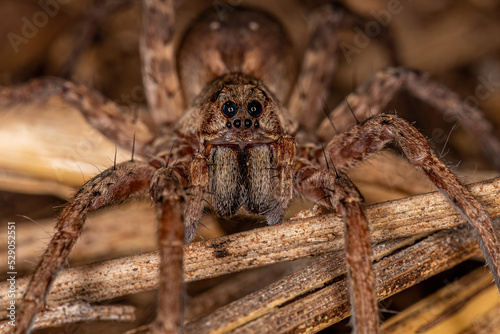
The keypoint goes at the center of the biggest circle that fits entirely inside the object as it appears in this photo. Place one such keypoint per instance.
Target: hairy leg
(123, 181)
(372, 135)
(334, 190)
(160, 77)
(372, 96)
(179, 202)
(102, 114)
(319, 63)
(168, 194)
(325, 186)
(286, 150)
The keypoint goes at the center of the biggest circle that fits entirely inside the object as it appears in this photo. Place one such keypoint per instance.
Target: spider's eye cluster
(230, 109)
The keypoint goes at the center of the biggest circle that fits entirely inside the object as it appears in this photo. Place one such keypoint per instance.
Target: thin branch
(117, 225)
(301, 237)
(78, 312)
(322, 288)
(444, 310)
(235, 287)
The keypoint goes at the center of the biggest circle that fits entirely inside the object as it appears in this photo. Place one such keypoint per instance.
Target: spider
(237, 144)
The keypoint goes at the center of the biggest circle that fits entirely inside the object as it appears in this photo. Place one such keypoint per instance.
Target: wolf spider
(235, 145)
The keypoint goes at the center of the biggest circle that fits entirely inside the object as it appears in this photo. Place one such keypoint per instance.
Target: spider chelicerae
(241, 143)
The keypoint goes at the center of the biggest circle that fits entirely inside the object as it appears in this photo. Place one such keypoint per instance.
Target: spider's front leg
(372, 135)
(333, 189)
(123, 181)
(178, 214)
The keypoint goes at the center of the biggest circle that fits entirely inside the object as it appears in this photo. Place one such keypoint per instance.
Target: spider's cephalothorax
(238, 121)
(242, 134)
(234, 144)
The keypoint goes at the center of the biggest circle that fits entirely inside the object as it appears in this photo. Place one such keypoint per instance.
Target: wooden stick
(78, 312)
(452, 309)
(322, 288)
(304, 236)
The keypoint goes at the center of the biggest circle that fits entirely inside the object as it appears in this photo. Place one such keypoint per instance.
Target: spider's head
(239, 110)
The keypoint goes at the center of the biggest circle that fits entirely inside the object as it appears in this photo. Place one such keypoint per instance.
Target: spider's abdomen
(244, 41)
(241, 178)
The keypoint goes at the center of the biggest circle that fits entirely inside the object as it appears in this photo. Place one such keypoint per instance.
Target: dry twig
(79, 312)
(306, 236)
(466, 305)
(318, 296)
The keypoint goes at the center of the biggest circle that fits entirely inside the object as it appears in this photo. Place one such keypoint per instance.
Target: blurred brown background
(96, 43)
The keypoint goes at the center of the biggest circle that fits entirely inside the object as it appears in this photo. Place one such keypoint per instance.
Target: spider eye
(255, 108)
(229, 109)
